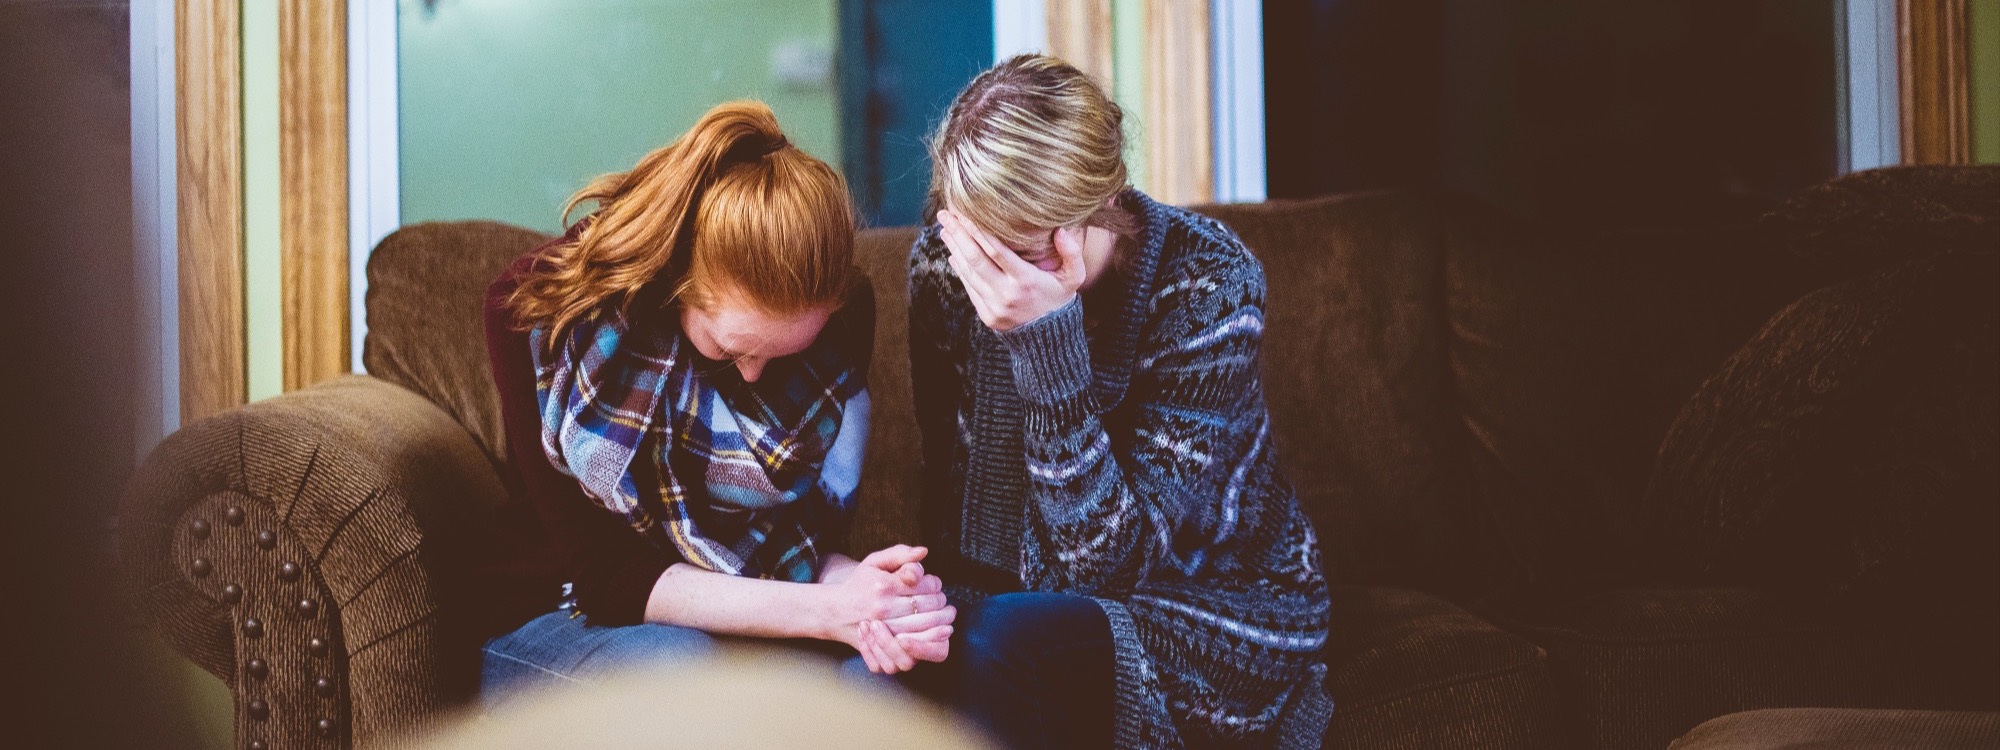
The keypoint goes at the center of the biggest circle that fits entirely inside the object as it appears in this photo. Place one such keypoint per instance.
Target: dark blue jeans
(557, 649)
(1033, 669)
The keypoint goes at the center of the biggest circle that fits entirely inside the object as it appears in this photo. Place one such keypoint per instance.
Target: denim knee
(1011, 632)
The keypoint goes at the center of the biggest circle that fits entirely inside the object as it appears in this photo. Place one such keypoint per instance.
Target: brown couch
(1575, 491)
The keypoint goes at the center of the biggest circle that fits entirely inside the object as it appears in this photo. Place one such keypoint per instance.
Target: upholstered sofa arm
(301, 548)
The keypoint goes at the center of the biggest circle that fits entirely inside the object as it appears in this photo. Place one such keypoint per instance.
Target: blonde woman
(683, 381)
(1100, 480)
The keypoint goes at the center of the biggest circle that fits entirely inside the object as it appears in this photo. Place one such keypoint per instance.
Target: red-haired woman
(683, 381)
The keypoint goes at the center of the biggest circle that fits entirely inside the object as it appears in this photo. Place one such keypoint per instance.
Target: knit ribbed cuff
(1051, 356)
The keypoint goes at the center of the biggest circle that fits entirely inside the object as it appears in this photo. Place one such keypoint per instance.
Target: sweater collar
(1114, 356)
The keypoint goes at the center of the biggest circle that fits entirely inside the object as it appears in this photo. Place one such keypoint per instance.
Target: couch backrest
(887, 513)
(1456, 399)
(1355, 373)
(426, 316)
(1358, 381)
(1571, 356)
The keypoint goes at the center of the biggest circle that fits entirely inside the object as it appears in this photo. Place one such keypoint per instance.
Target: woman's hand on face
(1005, 290)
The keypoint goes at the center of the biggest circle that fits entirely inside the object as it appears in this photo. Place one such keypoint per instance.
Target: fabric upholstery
(1569, 357)
(1361, 401)
(1638, 667)
(1854, 224)
(1847, 729)
(886, 511)
(426, 325)
(376, 495)
(1410, 670)
(1849, 447)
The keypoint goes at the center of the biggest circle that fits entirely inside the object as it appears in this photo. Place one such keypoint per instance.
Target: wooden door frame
(208, 94)
(1932, 70)
(209, 200)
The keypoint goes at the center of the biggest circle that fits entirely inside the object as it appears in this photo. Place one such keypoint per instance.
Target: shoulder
(932, 282)
(1205, 270)
(518, 270)
(928, 256)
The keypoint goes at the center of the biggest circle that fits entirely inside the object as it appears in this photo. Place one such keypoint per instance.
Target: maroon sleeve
(610, 565)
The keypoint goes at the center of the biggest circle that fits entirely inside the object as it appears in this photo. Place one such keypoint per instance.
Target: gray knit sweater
(1131, 461)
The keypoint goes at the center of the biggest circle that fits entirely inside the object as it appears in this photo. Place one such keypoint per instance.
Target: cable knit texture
(1132, 462)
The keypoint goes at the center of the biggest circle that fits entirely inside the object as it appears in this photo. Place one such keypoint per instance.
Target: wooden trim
(312, 142)
(208, 91)
(1080, 33)
(1179, 117)
(1931, 63)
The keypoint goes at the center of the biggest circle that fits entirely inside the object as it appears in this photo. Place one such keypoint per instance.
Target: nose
(751, 368)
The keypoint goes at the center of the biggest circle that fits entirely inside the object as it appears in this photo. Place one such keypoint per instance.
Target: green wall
(509, 106)
(1984, 23)
(263, 269)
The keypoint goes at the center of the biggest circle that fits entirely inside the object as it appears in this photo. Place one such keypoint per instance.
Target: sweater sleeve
(1107, 501)
(611, 567)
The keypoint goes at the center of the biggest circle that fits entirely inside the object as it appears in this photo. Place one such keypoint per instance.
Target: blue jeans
(1033, 669)
(556, 649)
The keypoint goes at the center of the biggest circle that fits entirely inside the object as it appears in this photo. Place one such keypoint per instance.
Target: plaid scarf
(736, 465)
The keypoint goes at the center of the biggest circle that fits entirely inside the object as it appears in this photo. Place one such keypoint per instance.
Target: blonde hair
(730, 204)
(1030, 145)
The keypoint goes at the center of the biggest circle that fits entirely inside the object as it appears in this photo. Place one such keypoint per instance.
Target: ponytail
(641, 234)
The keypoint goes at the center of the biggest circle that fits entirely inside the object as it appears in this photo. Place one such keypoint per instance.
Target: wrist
(1051, 356)
(836, 568)
(823, 608)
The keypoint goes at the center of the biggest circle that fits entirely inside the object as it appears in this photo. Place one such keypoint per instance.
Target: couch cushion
(426, 316)
(887, 501)
(1637, 668)
(1570, 355)
(1359, 391)
(1862, 221)
(1850, 447)
(1845, 728)
(1410, 670)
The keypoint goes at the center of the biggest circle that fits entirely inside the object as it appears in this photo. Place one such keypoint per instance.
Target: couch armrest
(301, 548)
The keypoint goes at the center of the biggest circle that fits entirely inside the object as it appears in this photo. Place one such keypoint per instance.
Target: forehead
(744, 329)
(1018, 237)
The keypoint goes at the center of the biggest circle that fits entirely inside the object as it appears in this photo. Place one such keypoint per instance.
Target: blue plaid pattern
(735, 466)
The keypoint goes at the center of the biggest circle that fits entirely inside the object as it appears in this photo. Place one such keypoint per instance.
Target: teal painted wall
(509, 106)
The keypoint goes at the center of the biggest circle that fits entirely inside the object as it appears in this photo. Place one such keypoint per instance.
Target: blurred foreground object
(749, 697)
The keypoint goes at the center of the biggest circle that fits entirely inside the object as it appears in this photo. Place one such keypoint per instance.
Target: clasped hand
(892, 612)
(1006, 290)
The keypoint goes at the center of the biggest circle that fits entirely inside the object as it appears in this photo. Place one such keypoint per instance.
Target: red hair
(731, 204)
